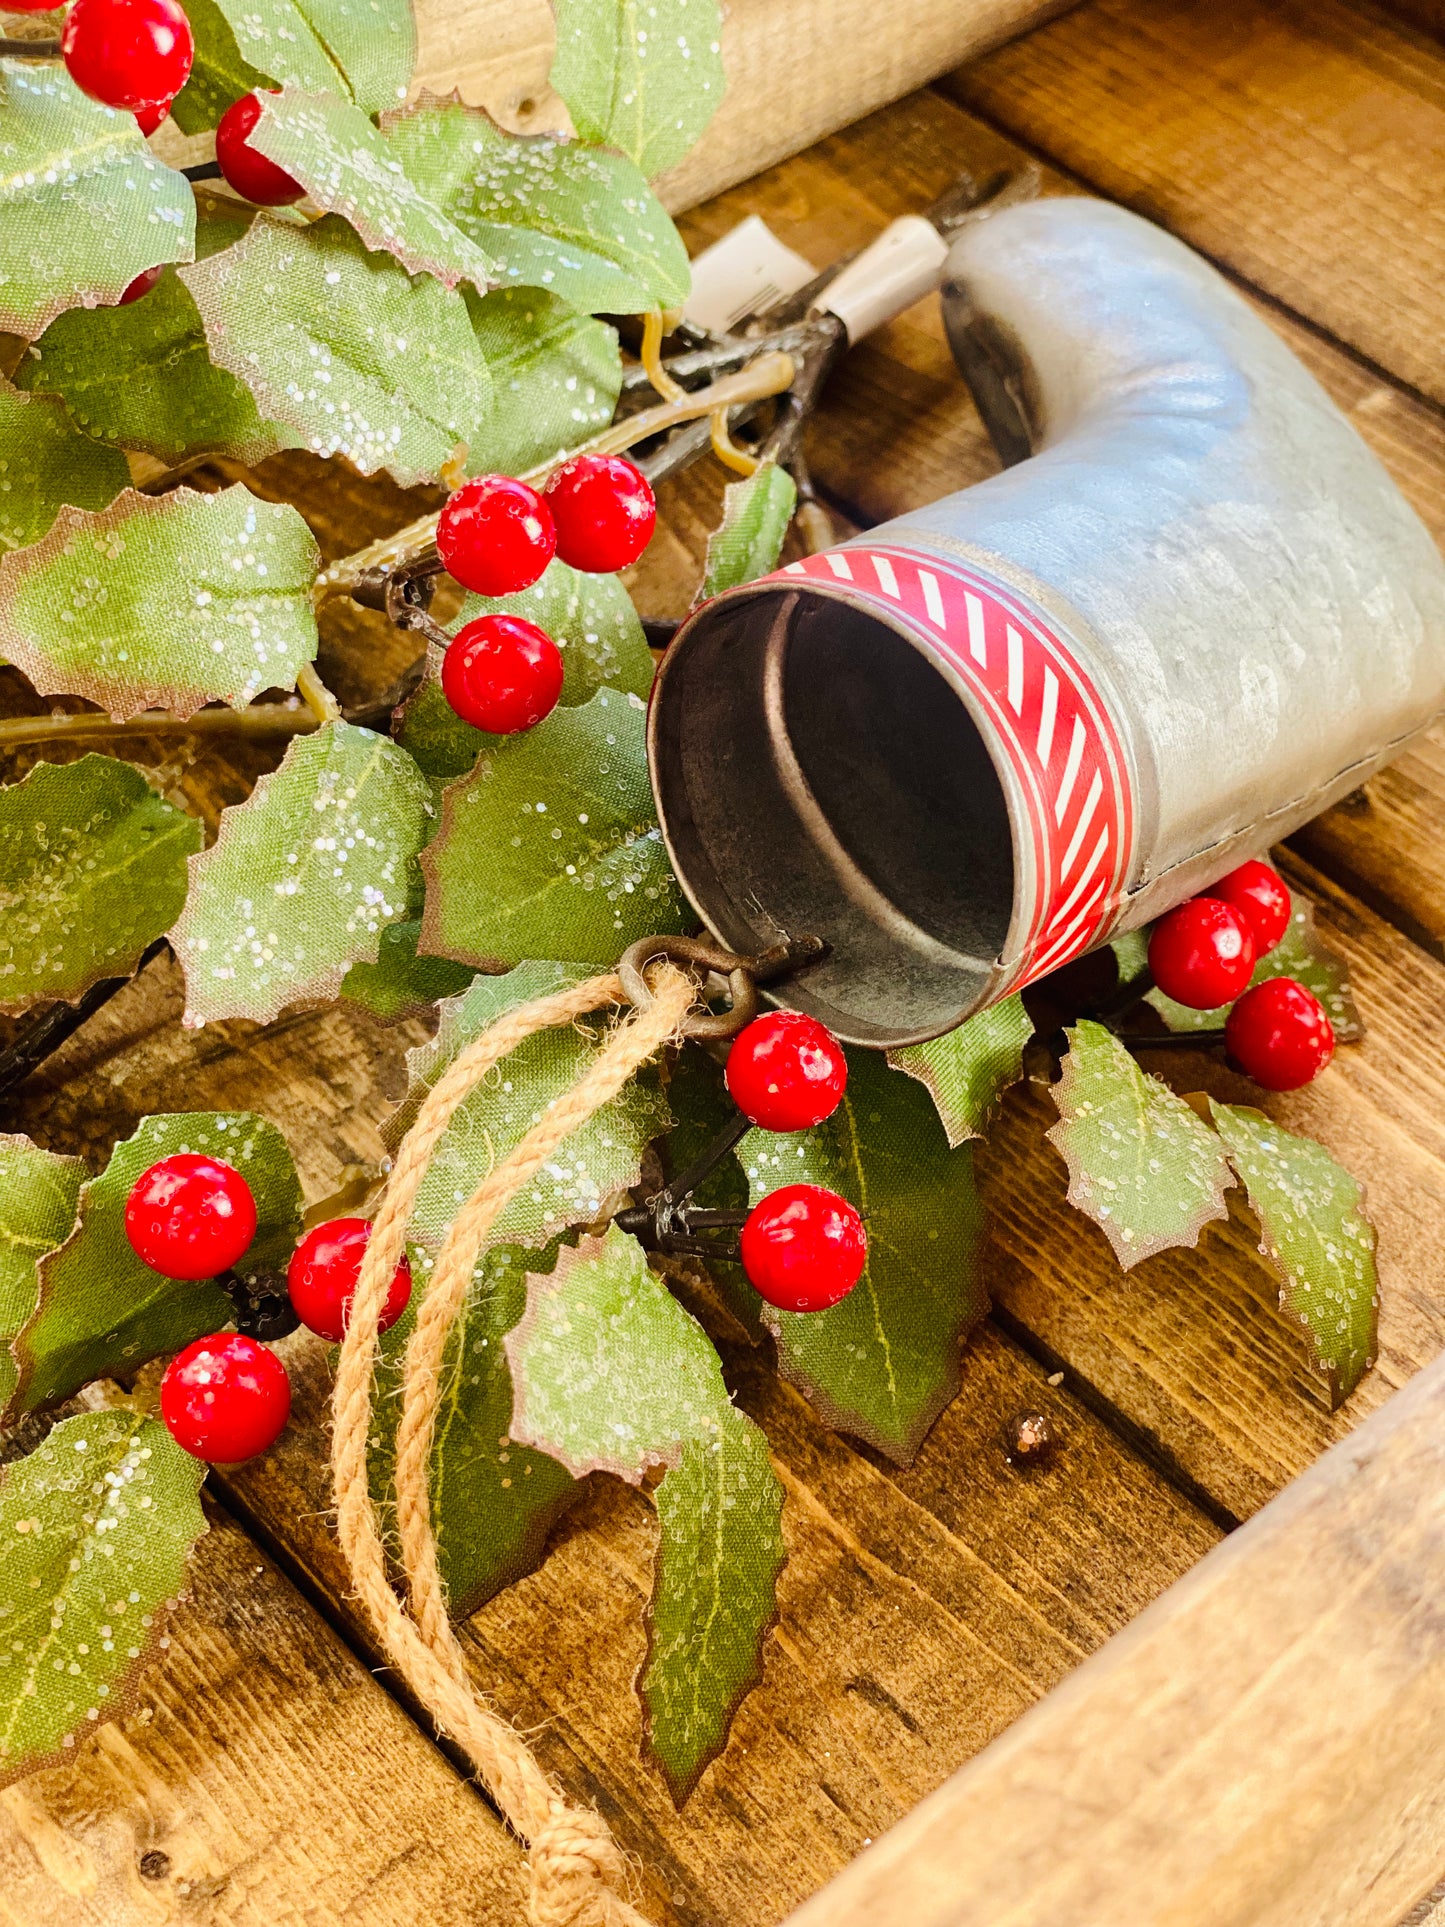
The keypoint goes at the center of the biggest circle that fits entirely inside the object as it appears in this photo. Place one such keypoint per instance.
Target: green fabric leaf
(80, 176)
(303, 877)
(95, 1529)
(714, 1596)
(493, 1500)
(969, 1069)
(39, 1197)
(576, 221)
(611, 1374)
(1300, 953)
(92, 869)
(556, 376)
(400, 983)
(46, 462)
(756, 514)
(1316, 1236)
(645, 76)
(363, 53)
(1141, 1164)
(882, 1363)
(163, 601)
(551, 847)
(1131, 954)
(140, 376)
(345, 165)
(102, 1311)
(597, 1164)
(345, 347)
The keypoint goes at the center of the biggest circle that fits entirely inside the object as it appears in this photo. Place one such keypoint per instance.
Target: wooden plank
(1263, 1746)
(266, 1777)
(1301, 145)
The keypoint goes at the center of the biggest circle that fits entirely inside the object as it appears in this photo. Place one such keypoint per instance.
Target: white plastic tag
(903, 265)
(745, 273)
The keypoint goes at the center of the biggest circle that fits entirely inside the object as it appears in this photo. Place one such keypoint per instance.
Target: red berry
(322, 1278)
(150, 118)
(28, 6)
(128, 53)
(142, 285)
(245, 167)
(502, 674)
(1202, 953)
(786, 1071)
(495, 535)
(190, 1216)
(604, 510)
(804, 1248)
(225, 1398)
(1261, 897)
(1279, 1034)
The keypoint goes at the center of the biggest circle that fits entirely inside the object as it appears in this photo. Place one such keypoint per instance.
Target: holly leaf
(556, 376)
(303, 877)
(968, 1070)
(45, 462)
(400, 983)
(576, 221)
(601, 1160)
(80, 176)
(1301, 953)
(101, 1311)
(551, 847)
(756, 514)
(1316, 1236)
(1141, 1164)
(39, 1197)
(96, 1526)
(345, 347)
(168, 601)
(345, 165)
(645, 79)
(365, 54)
(883, 1362)
(92, 870)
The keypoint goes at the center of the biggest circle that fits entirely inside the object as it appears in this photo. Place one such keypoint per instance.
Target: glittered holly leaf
(1316, 1236)
(576, 221)
(969, 1069)
(303, 878)
(1131, 954)
(140, 376)
(95, 1529)
(645, 79)
(556, 376)
(102, 1312)
(92, 869)
(756, 514)
(39, 1196)
(1141, 1164)
(882, 1363)
(1302, 954)
(493, 1501)
(612, 1375)
(364, 54)
(346, 348)
(163, 601)
(87, 206)
(45, 462)
(400, 983)
(345, 165)
(600, 1161)
(551, 847)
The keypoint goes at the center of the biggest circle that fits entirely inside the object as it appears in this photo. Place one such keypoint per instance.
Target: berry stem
(1171, 1039)
(29, 50)
(46, 1033)
(263, 719)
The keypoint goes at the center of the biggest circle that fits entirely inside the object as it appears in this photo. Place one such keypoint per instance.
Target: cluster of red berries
(496, 535)
(1203, 954)
(227, 1397)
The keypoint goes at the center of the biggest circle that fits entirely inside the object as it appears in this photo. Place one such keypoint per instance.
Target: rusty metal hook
(743, 974)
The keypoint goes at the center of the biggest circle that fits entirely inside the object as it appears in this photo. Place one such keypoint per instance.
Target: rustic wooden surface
(924, 1610)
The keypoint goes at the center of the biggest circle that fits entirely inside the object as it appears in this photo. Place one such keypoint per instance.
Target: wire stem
(266, 719)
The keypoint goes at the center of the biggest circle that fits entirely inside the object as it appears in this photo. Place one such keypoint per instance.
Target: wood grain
(1262, 1748)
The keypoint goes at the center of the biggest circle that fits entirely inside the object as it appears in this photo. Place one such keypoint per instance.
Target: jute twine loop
(577, 1869)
